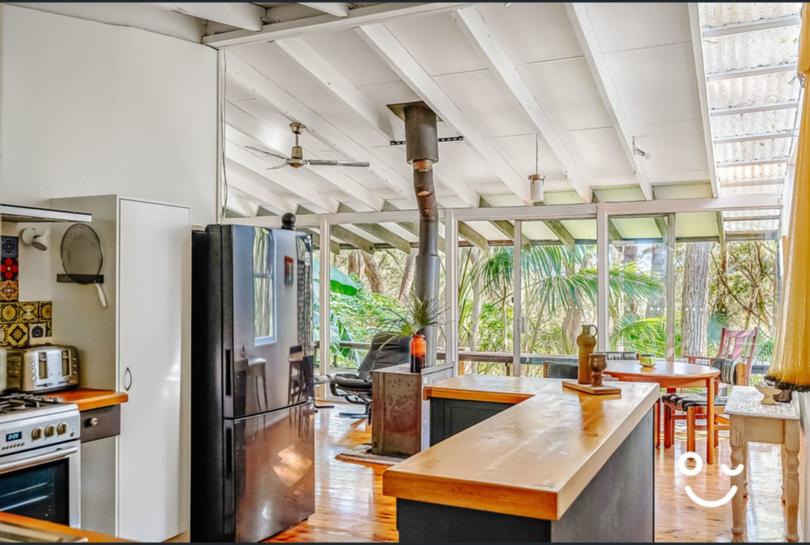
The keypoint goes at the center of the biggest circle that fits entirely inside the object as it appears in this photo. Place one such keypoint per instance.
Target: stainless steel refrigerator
(252, 415)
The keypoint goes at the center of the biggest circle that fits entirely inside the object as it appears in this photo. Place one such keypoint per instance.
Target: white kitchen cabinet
(138, 344)
(154, 243)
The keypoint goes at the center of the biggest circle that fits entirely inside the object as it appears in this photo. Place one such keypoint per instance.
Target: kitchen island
(518, 459)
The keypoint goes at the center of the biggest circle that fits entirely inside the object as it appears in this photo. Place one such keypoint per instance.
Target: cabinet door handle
(127, 379)
(92, 421)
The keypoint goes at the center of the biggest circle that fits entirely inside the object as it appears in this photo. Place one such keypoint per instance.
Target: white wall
(92, 109)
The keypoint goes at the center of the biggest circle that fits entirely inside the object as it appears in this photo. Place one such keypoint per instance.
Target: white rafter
(292, 183)
(336, 9)
(242, 15)
(245, 123)
(739, 110)
(375, 13)
(750, 26)
(351, 96)
(748, 72)
(703, 97)
(586, 34)
(261, 87)
(385, 44)
(250, 183)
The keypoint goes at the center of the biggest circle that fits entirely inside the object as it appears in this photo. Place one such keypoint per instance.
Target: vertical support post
(603, 277)
(324, 293)
(517, 299)
(451, 287)
(670, 283)
(221, 189)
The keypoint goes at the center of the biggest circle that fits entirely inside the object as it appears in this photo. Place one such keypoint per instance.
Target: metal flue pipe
(422, 151)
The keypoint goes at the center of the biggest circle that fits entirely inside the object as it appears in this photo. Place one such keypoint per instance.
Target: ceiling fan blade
(332, 163)
(270, 153)
(276, 167)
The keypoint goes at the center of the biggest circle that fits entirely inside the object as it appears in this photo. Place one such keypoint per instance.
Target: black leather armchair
(386, 349)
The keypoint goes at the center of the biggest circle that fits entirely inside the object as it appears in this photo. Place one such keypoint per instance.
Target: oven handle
(39, 459)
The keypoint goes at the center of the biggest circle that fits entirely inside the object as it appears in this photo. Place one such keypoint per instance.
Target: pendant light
(536, 180)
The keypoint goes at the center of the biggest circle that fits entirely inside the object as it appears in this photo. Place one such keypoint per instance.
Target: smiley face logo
(711, 504)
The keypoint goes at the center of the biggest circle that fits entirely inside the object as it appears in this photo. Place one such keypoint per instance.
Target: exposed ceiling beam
(316, 241)
(738, 110)
(251, 184)
(703, 97)
(746, 72)
(476, 29)
(754, 162)
(765, 217)
(336, 9)
(473, 237)
(772, 135)
(261, 87)
(754, 183)
(280, 142)
(292, 183)
(331, 78)
(239, 206)
(613, 232)
(586, 34)
(385, 44)
(749, 26)
(242, 15)
(561, 233)
(381, 232)
(663, 228)
(376, 13)
(341, 233)
(721, 231)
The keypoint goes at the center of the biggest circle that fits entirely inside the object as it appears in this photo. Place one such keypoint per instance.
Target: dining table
(671, 374)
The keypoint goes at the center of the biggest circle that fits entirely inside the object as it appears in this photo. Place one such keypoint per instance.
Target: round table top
(663, 371)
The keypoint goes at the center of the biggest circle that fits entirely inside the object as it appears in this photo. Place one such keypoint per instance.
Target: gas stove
(30, 421)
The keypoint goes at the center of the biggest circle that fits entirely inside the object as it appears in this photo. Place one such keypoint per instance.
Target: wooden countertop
(531, 460)
(89, 398)
(56, 529)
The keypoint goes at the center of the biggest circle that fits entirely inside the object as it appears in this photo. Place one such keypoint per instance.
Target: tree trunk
(354, 262)
(629, 255)
(407, 277)
(695, 299)
(475, 315)
(372, 273)
(656, 305)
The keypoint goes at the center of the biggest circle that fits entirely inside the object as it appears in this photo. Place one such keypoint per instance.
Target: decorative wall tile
(10, 247)
(37, 334)
(9, 268)
(9, 290)
(45, 312)
(3, 334)
(28, 311)
(9, 312)
(17, 335)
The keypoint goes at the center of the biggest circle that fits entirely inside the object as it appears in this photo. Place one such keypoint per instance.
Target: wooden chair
(737, 347)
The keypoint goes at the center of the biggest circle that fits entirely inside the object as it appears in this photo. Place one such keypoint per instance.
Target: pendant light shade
(536, 180)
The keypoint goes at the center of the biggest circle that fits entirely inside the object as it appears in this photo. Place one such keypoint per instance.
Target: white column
(670, 286)
(603, 277)
(517, 313)
(451, 287)
(324, 293)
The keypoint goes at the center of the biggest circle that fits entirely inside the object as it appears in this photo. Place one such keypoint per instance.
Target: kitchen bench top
(531, 460)
(55, 530)
(90, 398)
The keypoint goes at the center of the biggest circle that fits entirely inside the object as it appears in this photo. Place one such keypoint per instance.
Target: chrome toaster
(42, 368)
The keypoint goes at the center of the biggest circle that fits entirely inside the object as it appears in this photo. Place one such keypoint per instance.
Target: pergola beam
(248, 125)
(586, 34)
(662, 226)
(739, 110)
(336, 9)
(746, 72)
(561, 233)
(249, 185)
(292, 183)
(345, 235)
(316, 240)
(771, 135)
(750, 26)
(755, 162)
(381, 233)
(399, 59)
(470, 21)
(473, 237)
(244, 15)
(268, 91)
(376, 13)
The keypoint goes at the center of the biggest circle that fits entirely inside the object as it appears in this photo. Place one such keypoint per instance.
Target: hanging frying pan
(83, 258)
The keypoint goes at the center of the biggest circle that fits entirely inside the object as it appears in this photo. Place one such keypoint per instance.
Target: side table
(779, 424)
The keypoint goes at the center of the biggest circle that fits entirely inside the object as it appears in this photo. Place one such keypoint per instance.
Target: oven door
(43, 483)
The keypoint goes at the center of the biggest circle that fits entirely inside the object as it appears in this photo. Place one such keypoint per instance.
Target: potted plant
(417, 316)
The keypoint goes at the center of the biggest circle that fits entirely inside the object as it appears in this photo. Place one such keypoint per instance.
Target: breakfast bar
(523, 459)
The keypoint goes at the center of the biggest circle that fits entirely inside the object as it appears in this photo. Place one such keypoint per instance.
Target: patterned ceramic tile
(37, 333)
(10, 247)
(9, 290)
(17, 334)
(9, 268)
(45, 311)
(29, 312)
(9, 312)
(48, 330)
(3, 334)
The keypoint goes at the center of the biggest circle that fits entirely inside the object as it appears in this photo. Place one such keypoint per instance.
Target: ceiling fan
(296, 158)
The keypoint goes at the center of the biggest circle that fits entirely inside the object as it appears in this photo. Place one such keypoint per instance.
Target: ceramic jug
(586, 343)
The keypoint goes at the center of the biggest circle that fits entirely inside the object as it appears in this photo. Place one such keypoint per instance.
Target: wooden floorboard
(350, 505)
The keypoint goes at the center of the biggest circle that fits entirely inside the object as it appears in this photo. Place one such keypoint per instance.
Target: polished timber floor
(350, 505)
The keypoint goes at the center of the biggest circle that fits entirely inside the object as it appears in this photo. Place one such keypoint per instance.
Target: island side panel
(420, 522)
(618, 504)
(451, 416)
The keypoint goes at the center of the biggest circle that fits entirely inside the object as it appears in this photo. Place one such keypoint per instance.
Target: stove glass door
(41, 492)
